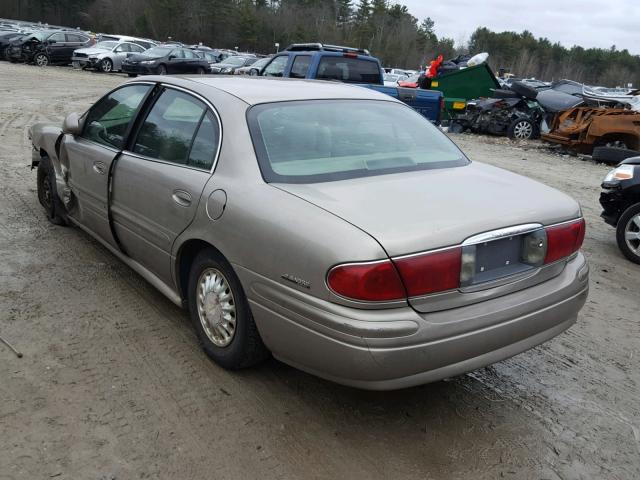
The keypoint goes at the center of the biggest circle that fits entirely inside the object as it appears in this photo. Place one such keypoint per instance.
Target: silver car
(296, 218)
(106, 56)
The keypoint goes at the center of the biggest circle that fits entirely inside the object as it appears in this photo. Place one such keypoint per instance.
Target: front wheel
(221, 315)
(521, 129)
(628, 233)
(41, 60)
(162, 70)
(106, 65)
(47, 194)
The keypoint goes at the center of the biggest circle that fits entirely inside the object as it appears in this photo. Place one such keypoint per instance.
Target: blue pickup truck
(350, 65)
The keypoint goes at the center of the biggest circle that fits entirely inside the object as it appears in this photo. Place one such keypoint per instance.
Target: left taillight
(564, 240)
(369, 282)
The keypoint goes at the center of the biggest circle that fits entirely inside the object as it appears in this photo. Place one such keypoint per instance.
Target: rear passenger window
(169, 129)
(300, 66)
(71, 37)
(350, 70)
(205, 144)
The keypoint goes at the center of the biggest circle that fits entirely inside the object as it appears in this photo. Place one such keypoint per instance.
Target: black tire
(612, 155)
(626, 223)
(162, 69)
(132, 74)
(246, 347)
(522, 129)
(41, 60)
(106, 65)
(6, 54)
(200, 71)
(500, 93)
(48, 195)
(524, 90)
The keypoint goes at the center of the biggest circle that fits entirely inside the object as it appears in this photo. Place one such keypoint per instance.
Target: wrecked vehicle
(298, 218)
(583, 128)
(620, 200)
(521, 112)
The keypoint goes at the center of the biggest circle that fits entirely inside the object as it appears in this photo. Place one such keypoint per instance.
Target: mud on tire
(48, 195)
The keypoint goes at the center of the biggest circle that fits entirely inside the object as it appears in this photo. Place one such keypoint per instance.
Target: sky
(587, 23)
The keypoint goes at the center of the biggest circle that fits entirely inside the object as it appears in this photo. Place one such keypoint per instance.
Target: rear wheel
(628, 233)
(41, 60)
(221, 315)
(106, 65)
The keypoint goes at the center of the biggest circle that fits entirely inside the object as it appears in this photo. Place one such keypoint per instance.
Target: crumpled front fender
(46, 139)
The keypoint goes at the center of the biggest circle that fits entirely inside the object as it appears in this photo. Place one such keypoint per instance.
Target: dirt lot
(114, 386)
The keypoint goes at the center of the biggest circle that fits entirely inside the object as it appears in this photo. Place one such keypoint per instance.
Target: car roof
(255, 90)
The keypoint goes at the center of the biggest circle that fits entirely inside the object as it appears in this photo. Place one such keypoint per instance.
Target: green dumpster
(460, 86)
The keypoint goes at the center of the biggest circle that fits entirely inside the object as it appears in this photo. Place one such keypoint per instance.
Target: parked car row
(44, 45)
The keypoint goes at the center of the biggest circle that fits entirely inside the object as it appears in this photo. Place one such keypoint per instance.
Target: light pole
(277, 45)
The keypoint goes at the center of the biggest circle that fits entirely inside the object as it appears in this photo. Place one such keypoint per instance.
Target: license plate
(495, 259)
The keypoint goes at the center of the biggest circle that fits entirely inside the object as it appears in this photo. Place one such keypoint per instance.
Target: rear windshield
(349, 70)
(327, 140)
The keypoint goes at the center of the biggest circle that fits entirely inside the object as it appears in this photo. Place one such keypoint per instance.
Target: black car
(162, 60)
(229, 65)
(48, 47)
(5, 42)
(620, 199)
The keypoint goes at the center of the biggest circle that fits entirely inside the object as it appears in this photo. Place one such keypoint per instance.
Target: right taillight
(431, 272)
(564, 240)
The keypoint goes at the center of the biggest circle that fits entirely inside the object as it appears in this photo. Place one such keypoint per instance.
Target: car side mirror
(50, 42)
(72, 125)
(172, 57)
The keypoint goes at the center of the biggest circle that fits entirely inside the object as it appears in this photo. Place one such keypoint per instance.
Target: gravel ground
(113, 385)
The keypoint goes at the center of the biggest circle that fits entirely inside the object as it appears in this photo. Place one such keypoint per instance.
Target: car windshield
(106, 45)
(235, 61)
(261, 63)
(327, 140)
(38, 36)
(157, 52)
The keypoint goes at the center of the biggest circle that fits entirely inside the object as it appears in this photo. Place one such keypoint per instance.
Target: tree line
(387, 29)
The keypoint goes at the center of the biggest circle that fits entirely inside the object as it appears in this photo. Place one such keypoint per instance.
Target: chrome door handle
(99, 167)
(181, 197)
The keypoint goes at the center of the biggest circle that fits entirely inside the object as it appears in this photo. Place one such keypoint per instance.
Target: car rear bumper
(399, 348)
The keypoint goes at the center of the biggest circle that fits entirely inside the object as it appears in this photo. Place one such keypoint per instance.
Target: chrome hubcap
(632, 234)
(216, 307)
(523, 130)
(106, 65)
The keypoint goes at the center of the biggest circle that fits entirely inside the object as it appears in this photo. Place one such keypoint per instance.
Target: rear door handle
(99, 167)
(181, 197)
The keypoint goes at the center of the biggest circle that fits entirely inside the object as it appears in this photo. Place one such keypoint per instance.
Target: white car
(391, 79)
(105, 56)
